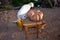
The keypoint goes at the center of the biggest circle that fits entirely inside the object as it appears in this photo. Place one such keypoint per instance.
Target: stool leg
(26, 33)
(38, 31)
(20, 29)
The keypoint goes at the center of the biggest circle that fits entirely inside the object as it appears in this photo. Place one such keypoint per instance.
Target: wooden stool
(29, 24)
(37, 26)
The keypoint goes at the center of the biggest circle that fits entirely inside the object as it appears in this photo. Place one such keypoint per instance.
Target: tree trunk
(50, 3)
(55, 3)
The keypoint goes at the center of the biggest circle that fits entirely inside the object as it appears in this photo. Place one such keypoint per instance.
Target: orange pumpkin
(35, 15)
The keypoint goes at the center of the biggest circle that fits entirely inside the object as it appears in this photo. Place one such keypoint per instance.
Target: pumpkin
(35, 15)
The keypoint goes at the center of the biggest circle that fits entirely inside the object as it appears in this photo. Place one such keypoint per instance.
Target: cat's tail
(14, 21)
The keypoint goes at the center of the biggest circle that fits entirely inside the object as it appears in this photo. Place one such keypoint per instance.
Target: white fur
(24, 9)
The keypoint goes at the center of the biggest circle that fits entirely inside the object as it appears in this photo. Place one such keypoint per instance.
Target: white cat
(22, 13)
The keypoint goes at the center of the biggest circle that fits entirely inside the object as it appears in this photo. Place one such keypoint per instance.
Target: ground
(9, 30)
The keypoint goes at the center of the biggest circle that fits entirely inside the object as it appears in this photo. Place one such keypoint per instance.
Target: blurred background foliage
(21, 2)
(36, 2)
(8, 4)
